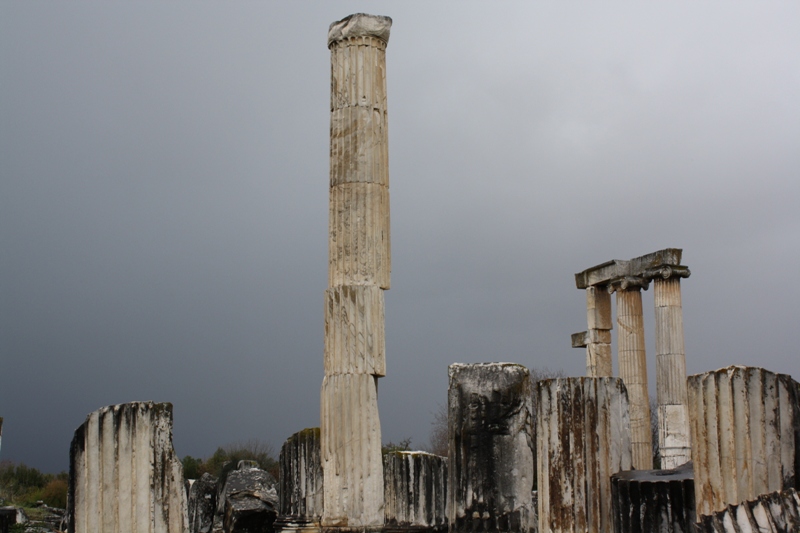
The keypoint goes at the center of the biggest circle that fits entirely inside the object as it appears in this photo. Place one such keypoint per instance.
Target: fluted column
(633, 367)
(746, 435)
(673, 418)
(582, 439)
(358, 271)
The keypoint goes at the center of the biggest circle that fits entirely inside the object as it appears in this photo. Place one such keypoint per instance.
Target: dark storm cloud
(163, 208)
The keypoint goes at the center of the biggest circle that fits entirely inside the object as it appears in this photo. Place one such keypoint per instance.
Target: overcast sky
(164, 189)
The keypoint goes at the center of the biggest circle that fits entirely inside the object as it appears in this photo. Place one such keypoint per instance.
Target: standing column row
(627, 279)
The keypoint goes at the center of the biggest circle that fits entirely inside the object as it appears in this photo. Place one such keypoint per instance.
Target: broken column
(673, 419)
(654, 500)
(776, 512)
(301, 483)
(124, 475)
(746, 435)
(358, 272)
(415, 492)
(597, 339)
(633, 367)
(491, 458)
(582, 439)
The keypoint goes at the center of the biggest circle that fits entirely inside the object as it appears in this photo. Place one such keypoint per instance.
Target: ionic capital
(667, 271)
(360, 25)
(628, 283)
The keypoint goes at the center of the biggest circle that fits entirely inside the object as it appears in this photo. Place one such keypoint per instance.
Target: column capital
(360, 25)
(628, 283)
(667, 271)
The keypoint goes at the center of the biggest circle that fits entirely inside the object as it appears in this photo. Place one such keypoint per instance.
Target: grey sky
(164, 187)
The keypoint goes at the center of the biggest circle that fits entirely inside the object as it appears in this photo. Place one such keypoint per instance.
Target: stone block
(359, 248)
(351, 452)
(658, 501)
(248, 500)
(124, 474)
(583, 437)
(415, 492)
(745, 424)
(354, 331)
(491, 457)
(301, 497)
(598, 308)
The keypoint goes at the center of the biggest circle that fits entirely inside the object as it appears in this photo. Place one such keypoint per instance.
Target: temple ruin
(571, 454)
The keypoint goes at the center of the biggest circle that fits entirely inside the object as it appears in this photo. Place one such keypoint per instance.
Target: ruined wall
(124, 475)
(583, 437)
(745, 423)
(491, 457)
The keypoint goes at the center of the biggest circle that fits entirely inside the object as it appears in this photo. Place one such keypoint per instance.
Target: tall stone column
(633, 367)
(673, 418)
(358, 271)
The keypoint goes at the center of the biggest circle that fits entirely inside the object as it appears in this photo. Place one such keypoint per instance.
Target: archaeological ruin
(572, 454)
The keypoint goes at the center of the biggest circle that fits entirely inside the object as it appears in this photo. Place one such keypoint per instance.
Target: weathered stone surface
(301, 497)
(659, 501)
(616, 269)
(248, 501)
(359, 266)
(674, 436)
(582, 439)
(360, 25)
(124, 475)
(776, 512)
(633, 372)
(359, 250)
(745, 425)
(202, 504)
(354, 331)
(491, 458)
(415, 491)
(351, 452)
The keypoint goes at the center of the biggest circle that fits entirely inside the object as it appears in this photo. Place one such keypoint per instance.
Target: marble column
(359, 267)
(746, 435)
(124, 475)
(415, 492)
(491, 456)
(633, 367)
(582, 439)
(674, 441)
(301, 483)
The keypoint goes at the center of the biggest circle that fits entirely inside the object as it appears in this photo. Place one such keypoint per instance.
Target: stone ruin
(582, 461)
